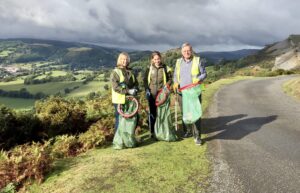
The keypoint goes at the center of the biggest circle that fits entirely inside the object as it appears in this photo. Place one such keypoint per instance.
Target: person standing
(156, 77)
(123, 83)
(189, 69)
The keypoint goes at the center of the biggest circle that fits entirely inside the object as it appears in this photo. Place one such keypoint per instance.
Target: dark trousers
(195, 127)
(153, 113)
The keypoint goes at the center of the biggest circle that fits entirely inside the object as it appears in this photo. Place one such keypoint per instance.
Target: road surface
(253, 138)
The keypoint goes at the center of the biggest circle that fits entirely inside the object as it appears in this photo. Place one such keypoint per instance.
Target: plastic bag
(163, 128)
(191, 106)
(125, 134)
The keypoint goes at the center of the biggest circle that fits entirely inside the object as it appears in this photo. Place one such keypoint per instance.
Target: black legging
(153, 113)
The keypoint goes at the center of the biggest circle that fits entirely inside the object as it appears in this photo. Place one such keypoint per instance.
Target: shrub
(9, 188)
(65, 146)
(98, 108)
(7, 127)
(59, 116)
(100, 133)
(24, 163)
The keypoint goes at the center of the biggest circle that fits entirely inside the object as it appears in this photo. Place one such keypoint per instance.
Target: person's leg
(116, 117)
(152, 108)
(187, 130)
(197, 128)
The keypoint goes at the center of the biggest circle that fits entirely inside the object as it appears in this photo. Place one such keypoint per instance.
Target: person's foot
(187, 135)
(198, 141)
(153, 137)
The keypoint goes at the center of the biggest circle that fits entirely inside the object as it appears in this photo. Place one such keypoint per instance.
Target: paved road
(254, 138)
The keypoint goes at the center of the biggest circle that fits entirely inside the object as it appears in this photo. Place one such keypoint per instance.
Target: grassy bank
(292, 88)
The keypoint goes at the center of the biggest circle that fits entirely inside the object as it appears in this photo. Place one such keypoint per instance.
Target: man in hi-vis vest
(188, 70)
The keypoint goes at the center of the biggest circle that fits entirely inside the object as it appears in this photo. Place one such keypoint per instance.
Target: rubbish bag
(125, 134)
(191, 106)
(163, 128)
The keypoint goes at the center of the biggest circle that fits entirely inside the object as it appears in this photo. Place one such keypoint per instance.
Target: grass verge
(292, 88)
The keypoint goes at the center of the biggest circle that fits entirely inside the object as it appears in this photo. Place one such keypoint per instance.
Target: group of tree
(31, 79)
(22, 93)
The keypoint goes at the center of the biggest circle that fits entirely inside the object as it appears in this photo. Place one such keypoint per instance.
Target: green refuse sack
(163, 128)
(191, 106)
(125, 134)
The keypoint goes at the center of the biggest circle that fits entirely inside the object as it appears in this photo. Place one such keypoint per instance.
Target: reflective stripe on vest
(165, 78)
(118, 98)
(194, 71)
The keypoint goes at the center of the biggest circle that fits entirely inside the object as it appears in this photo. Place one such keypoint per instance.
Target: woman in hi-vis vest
(157, 76)
(123, 83)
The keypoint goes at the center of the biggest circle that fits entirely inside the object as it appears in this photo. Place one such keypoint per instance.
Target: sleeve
(203, 73)
(136, 83)
(115, 83)
(145, 79)
(169, 77)
(175, 76)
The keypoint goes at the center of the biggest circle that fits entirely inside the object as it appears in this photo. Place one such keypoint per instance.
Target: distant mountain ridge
(83, 55)
(229, 55)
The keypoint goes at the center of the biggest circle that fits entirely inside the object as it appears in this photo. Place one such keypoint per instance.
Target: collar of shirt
(187, 60)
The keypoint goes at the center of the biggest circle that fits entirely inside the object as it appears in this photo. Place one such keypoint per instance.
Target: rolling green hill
(77, 55)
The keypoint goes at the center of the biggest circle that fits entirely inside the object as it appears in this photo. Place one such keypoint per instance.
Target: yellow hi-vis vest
(165, 78)
(194, 71)
(118, 98)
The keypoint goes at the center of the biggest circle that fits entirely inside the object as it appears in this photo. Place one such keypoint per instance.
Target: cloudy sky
(153, 24)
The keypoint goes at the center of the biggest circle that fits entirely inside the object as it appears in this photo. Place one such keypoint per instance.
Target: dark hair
(155, 53)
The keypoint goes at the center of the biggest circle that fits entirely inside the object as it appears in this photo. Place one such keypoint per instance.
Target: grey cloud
(142, 24)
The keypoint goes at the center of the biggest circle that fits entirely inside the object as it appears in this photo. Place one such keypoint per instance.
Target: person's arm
(115, 83)
(175, 75)
(145, 79)
(203, 73)
(136, 83)
(169, 77)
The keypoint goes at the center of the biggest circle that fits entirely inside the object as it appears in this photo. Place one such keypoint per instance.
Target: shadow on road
(213, 124)
(236, 130)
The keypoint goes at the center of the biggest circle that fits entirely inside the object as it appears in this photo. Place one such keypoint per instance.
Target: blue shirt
(185, 72)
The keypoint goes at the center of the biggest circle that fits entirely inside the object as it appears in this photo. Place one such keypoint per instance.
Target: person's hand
(123, 85)
(175, 87)
(132, 92)
(167, 87)
(148, 93)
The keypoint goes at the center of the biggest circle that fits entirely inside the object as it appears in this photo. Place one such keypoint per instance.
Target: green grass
(18, 81)
(83, 90)
(55, 73)
(17, 103)
(5, 53)
(292, 88)
(155, 167)
(47, 88)
(152, 167)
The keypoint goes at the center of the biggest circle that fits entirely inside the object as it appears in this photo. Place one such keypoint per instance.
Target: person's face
(124, 60)
(156, 60)
(186, 52)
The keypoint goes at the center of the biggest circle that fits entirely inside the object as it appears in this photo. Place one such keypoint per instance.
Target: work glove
(175, 87)
(148, 94)
(123, 85)
(132, 92)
